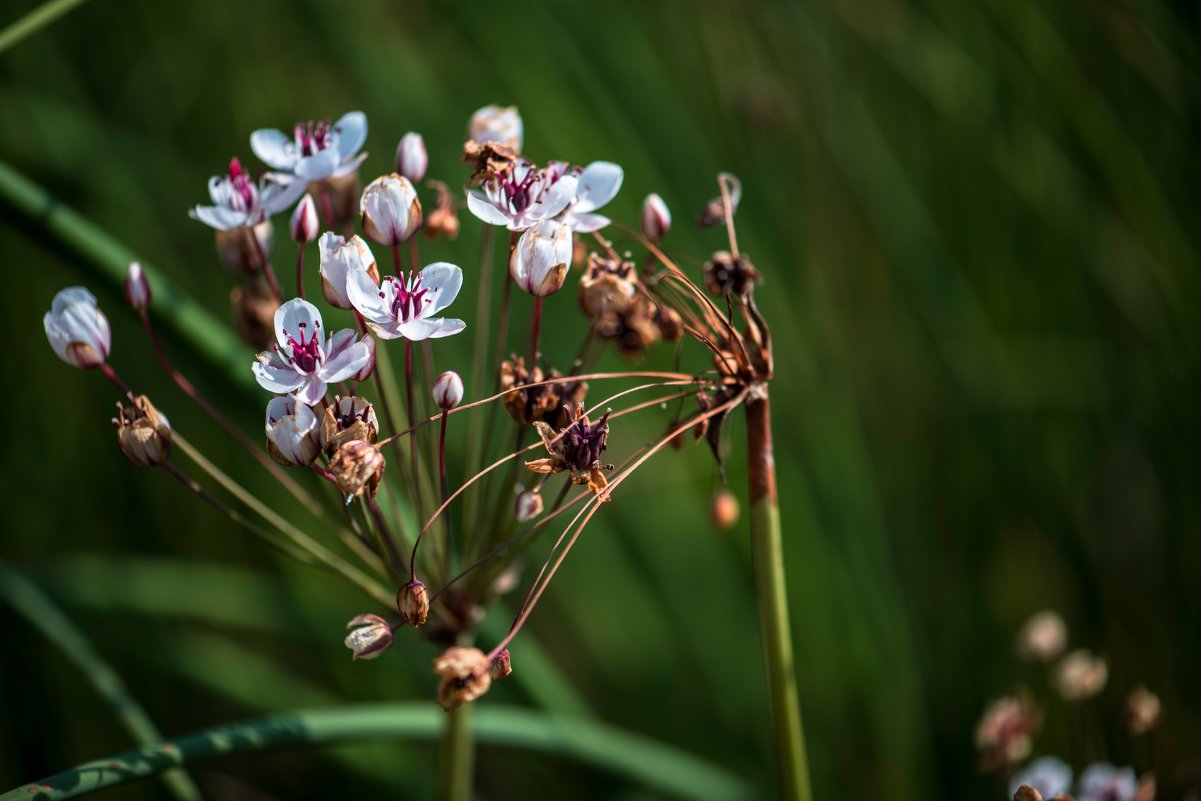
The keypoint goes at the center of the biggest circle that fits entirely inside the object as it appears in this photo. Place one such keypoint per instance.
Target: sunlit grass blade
(34, 21)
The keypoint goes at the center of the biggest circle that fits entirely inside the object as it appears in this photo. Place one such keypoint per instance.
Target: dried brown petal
(143, 434)
(466, 675)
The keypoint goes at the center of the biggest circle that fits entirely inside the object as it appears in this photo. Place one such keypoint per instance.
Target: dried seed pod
(348, 419)
(143, 433)
(727, 274)
(357, 466)
(502, 665)
(371, 636)
(237, 250)
(466, 675)
(254, 314)
(413, 601)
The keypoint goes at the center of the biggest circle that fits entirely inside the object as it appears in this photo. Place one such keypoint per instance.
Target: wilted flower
(714, 211)
(347, 419)
(1143, 709)
(727, 274)
(596, 186)
(522, 195)
(304, 225)
(254, 314)
(143, 433)
(466, 675)
(723, 510)
(357, 466)
(1081, 675)
(448, 390)
(291, 432)
(391, 210)
(550, 403)
(76, 328)
(540, 261)
(238, 201)
(371, 636)
(411, 158)
(315, 151)
(404, 307)
(301, 364)
(527, 506)
(339, 258)
(137, 288)
(577, 450)
(655, 219)
(496, 124)
(443, 221)
(413, 601)
(1049, 775)
(1103, 782)
(1043, 637)
(1003, 734)
(502, 665)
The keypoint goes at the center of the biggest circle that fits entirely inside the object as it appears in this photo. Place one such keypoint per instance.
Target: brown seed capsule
(357, 466)
(528, 506)
(347, 419)
(545, 402)
(1027, 793)
(237, 250)
(413, 601)
(502, 665)
(726, 274)
(723, 510)
(371, 636)
(1143, 709)
(576, 449)
(466, 675)
(487, 159)
(714, 212)
(143, 434)
(254, 315)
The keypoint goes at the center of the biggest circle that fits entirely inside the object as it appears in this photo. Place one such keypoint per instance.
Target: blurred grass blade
(34, 21)
(42, 614)
(647, 763)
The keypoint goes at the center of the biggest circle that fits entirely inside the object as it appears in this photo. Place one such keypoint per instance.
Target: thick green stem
(772, 593)
(458, 755)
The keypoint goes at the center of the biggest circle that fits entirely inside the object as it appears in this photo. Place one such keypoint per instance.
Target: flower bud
(291, 432)
(237, 250)
(539, 262)
(1081, 675)
(466, 675)
(347, 419)
(339, 257)
(528, 506)
(137, 288)
(1043, 637)
(413, 601)
(723, 510)
(304, 225)
(1143, 709)
(496, 124)
(655, 219)
(502, 665)
(76, 328)
(254, 315)
(448, 390)
(371, 636)
(143, 433)
(411, 158)
(357, 466)
(391, 210)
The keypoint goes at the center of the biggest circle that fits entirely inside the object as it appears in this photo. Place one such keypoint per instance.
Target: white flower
(598, 184)
(411, 157)
(542, 257)
(656, 218)
(1049, 775)
(315, 151)
(496, 124)
(77, 329)
(524, 195)
(238, 200)
(291, 432)
(339, 258)
(405, 307)
(1103, 782)
(301, 364)
(391, 210)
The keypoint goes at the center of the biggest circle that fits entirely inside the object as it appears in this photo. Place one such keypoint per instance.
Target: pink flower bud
(540, 261)
(137, 288)
(371, 636)
(656, 218)
(448, 390)
(76, 328)
(304, 225)
(411, 158)
(391, 210)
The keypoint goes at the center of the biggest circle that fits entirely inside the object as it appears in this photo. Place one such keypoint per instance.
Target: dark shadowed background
(978, 227)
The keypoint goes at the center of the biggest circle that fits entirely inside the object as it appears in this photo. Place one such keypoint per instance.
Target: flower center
(409, 298)
(245, 195)
(306, 353)
(313, 137)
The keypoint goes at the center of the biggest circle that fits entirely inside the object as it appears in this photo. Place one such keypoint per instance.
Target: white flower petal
(598, 184)
(340, 341)
(484, 210)
(219, 217)
(280, 192)
(298, 319)
(318, 166)
(346, 363)
(311, 390)
(561, 193)
(431, 329)
(350, 132)
(274, 148)
(274, 374)
(348, 167)
(586, 223)
(442, 281)
(69, 297)
(371, 301)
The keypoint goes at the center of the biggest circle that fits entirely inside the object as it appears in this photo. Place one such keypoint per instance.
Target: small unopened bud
(540, 261)
(143, 433)
(237, 250)
(391, 210)
(413, 601)
(656, 218)
(137, 288)
(466, 675)
(1081, 675)
(1043, 637)
(502, 665)
(411, 158)
(357, 466)
(723, 510)
(254, 314)
(371, 636)
(528, 506)
(1143, 709)
(714, 212)
(448, 390)
(305, 225)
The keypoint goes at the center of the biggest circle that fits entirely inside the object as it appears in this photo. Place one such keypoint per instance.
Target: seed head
(143, 434)
(371, 636)
(726, 274)
(546, 402)
(357, 466)
(413, 601)
(466, 675)
(576, 449)
(347, 419)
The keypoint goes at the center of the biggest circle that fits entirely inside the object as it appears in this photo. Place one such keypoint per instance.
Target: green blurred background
(978, 228)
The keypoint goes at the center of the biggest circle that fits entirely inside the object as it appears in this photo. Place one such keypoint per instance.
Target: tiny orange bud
(723, 510)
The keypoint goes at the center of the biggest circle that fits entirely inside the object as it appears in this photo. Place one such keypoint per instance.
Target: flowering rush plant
(362, 442)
